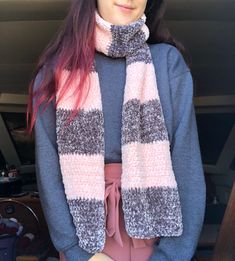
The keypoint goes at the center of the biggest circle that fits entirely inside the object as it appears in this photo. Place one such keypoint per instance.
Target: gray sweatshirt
(175, 86)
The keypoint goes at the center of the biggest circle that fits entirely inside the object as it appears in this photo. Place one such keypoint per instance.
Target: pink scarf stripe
(140, 173)
(80, 173)
(93, 100)
(142, 76)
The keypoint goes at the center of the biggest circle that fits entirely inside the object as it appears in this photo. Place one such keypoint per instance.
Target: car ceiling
(205, 27)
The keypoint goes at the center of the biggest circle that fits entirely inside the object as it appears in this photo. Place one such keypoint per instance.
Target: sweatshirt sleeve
(187, 165)
(50, 186)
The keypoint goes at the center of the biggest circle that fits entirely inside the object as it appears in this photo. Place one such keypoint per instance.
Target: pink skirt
(119, 245)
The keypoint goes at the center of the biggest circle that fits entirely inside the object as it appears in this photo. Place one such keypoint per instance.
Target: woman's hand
(100, 257)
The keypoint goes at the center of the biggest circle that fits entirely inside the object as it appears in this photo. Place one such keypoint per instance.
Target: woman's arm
(187, 166)
(50, 186)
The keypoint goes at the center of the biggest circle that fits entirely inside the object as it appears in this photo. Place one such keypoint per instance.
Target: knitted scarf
(150, 199)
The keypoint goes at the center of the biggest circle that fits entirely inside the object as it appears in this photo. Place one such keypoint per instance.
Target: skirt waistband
(112, 173)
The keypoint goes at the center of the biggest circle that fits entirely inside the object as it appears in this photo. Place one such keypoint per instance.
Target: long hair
(73, 48)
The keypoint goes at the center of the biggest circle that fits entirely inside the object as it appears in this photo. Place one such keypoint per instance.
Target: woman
(117, 155)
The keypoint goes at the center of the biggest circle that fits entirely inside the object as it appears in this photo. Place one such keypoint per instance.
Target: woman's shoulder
(168, 58)
(48, 67)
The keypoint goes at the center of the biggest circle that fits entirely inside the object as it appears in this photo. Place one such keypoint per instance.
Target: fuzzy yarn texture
(149, 191)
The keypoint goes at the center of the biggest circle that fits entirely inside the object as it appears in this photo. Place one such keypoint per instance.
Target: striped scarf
(150, 198)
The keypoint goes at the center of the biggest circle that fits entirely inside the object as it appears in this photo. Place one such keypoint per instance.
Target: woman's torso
(112, 77)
